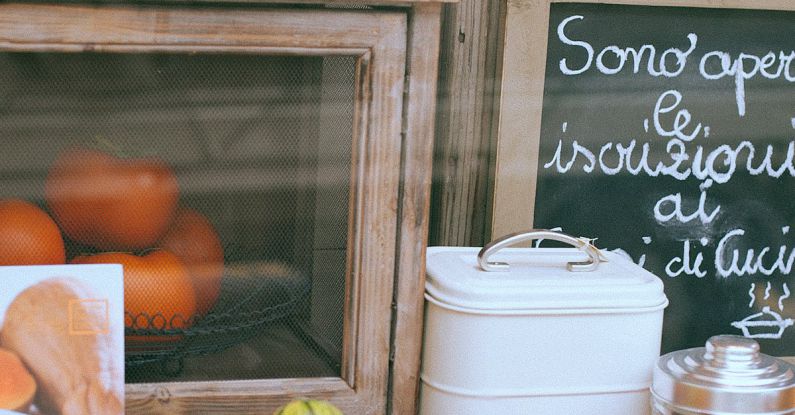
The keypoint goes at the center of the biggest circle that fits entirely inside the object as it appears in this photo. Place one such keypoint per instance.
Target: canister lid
(538, 278)
(728, 376)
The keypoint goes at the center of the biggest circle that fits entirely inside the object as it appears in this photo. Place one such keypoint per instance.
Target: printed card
(62, 340)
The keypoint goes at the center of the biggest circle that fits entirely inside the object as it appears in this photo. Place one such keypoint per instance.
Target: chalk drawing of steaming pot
(764, 321)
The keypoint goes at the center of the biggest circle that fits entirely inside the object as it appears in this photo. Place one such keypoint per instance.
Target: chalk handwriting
(676, 143)
(713, 65)
(681, 120)
(674, 204)
(656, 65)
(731, 261)
(686, 264)
(719, 164)
(744, 67)
(641, 261)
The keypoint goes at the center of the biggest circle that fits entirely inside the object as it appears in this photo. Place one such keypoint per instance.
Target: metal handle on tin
(583, 244)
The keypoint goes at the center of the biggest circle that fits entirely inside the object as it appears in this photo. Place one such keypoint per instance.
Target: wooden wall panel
(466, 126)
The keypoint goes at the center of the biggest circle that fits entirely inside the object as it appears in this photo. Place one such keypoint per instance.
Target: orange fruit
(155, 284)
(28, 236)
(111, 203)
(17, 386)
(194, 240)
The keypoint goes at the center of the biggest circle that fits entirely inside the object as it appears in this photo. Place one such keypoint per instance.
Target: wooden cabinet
(389, 50)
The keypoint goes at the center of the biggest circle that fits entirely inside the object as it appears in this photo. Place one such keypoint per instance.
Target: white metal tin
(538, 339)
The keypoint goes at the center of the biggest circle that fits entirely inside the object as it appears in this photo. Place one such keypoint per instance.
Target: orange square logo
(89, 317)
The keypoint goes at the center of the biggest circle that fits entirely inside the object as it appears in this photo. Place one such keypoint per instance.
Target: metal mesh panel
(260, 146)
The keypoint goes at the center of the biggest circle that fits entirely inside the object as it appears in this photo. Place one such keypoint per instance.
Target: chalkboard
(669, 133)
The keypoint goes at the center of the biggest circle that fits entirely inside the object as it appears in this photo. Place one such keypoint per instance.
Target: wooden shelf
(278, 352)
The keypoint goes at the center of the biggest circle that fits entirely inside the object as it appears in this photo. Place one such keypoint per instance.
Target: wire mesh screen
(220, 182)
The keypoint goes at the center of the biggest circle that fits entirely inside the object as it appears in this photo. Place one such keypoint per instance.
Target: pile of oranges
(124, 211)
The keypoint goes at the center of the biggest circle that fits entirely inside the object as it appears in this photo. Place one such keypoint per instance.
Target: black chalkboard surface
(669, 133)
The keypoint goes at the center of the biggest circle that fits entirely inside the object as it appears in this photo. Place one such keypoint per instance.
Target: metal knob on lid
(728, 376)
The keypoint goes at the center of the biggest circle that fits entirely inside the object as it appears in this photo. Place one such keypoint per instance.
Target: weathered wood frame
(524, 60)
(467, 118)
(393, 136)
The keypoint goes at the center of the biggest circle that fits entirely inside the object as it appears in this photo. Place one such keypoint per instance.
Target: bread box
(538, 330)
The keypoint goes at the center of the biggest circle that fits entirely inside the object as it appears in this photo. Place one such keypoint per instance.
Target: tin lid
(728, 376)
(539, 278)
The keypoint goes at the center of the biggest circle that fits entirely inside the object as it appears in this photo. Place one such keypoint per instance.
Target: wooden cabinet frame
(396, 56)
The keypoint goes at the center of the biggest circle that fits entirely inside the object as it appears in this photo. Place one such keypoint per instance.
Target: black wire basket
(252, 296)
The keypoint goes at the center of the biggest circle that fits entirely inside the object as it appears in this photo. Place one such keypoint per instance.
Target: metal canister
(539, 331)
(729, 376)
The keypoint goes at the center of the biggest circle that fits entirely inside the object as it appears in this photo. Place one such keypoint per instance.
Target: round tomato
(156, 284)
(28, 236)
(194, 240)
(111, 203)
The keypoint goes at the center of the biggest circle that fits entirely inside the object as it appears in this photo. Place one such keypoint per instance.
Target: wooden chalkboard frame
(524, 65)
